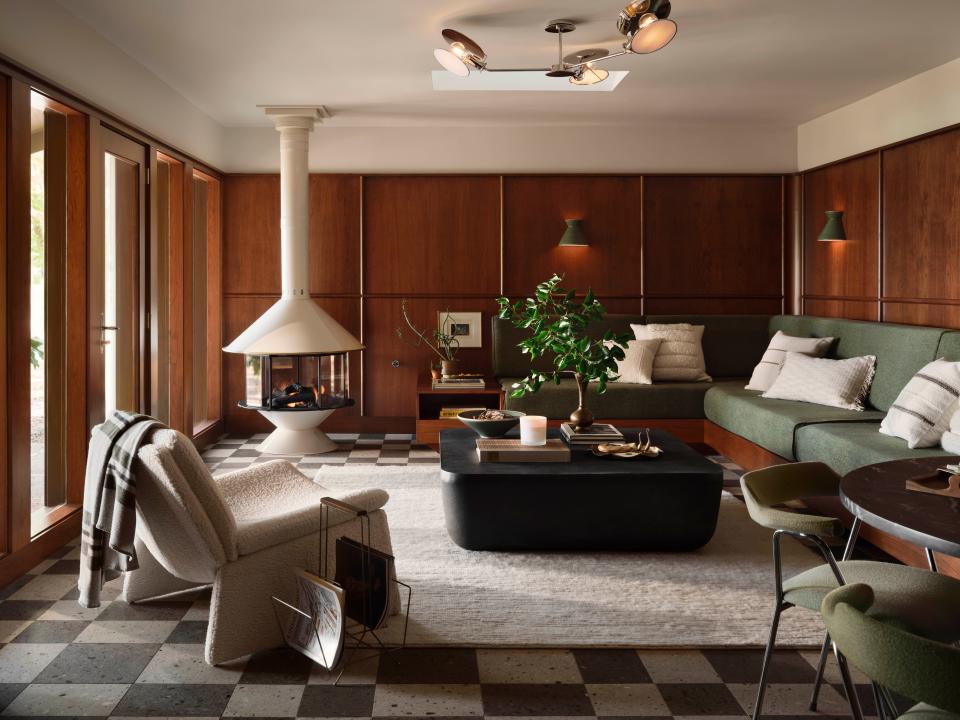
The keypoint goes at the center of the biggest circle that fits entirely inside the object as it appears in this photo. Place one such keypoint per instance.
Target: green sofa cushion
(901, 350)
(768, 423)
(732, 344)
(845, 447)
(949, 348)
(677, 400)
(510, 362)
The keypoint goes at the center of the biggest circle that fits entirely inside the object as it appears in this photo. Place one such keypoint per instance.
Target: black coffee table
(591, 503)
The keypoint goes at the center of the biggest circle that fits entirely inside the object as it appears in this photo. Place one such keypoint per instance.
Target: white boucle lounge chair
(242, 533)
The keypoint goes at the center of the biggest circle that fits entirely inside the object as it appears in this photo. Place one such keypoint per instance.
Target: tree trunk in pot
(450, 367)
(581, 417)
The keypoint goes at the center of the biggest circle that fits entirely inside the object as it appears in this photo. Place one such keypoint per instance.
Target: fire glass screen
(297, 382)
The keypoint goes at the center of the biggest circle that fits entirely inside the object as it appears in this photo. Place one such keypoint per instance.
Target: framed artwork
(464, 326)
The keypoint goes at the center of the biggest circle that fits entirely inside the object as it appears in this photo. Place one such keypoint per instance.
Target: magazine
(316, 625)
(365, 575)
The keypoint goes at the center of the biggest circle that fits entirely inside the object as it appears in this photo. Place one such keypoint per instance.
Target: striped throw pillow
(922, 410)
(769, 366)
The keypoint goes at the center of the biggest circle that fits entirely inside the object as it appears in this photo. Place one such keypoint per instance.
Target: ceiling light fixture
(645, 23)
(463, 56)
(586, 73)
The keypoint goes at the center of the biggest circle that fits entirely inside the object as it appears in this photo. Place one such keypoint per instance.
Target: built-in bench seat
(853, 445)
(621, 401)
(752, 430)
(774, 424)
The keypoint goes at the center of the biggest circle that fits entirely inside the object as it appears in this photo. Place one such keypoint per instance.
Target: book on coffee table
(596, 433)
(510, 450)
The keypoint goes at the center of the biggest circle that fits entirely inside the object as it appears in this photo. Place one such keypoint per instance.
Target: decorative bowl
(490, 428)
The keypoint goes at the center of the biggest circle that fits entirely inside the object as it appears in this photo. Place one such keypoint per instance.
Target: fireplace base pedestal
(297, 433)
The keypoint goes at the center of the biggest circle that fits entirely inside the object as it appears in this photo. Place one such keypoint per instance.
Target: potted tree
(557, 322)
(442, 343)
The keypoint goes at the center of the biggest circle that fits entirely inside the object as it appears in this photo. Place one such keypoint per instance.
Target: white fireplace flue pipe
(295, 324)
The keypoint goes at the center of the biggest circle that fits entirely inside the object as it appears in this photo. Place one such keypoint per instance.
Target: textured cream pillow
(680, 356)
(839, 383)
(769, 366)
(923, 409)
(637, 364)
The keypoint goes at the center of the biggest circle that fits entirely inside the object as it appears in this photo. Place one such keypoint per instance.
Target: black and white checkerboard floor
(235, 453)
(123, 661)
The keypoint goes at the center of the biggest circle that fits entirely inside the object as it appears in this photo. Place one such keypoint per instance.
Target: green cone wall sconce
(573, 236)
(833, 230)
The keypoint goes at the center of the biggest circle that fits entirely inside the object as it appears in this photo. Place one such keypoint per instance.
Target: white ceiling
(780, 62)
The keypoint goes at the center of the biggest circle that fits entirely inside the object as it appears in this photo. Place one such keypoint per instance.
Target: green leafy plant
(36, 351)
(442, 343)
(557, 322)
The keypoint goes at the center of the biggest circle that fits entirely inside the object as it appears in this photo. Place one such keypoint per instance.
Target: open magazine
(316, 628)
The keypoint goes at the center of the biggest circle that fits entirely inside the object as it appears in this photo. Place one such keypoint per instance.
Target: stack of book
(592, 435)
(509, 450)
(448, 413)
(466, 381)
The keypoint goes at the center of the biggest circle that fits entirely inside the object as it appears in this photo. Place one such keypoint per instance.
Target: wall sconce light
(573, 236)
(833, 230)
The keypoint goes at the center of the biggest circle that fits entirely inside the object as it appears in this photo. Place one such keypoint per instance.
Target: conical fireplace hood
(295, 324)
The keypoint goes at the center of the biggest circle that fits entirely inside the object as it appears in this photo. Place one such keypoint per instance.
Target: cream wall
(925, 102)
(674, 148)
(43, 36)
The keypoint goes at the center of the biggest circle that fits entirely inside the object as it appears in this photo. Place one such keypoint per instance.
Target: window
(52, 196)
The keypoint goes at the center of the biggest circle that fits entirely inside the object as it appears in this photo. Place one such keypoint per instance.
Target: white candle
(533, 430)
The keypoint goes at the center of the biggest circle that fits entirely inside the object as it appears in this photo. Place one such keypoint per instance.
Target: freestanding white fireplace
(297, 367)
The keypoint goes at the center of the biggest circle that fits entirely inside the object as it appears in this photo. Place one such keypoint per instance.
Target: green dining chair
(924, 670)
(920, 600)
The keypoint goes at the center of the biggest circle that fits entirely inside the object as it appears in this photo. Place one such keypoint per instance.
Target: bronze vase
(450, 367)
(581, 417)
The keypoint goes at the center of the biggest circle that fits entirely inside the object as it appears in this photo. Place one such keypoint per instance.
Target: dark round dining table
(878, 496)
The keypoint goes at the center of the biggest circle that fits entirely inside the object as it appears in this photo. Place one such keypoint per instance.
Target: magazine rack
(362, 608)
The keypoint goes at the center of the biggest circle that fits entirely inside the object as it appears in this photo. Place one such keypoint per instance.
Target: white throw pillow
(769, 366)
(923, 409)
(839, 383)
(680, 356)
(637, 364)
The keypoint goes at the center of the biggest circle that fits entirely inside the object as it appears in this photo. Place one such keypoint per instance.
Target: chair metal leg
(931, 559)
(889, 702)
(855, 712)
(767, 656)
(821, 667)
(878, 701)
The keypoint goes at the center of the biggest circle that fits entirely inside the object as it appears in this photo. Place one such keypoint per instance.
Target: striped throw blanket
(109, 502)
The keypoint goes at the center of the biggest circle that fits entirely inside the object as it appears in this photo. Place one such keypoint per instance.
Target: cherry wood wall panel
(713, 237)
(841, 279)
(435, 235)
(456, 241)
(390, 391)
(921, 230)
(252, 224)
(535, 208)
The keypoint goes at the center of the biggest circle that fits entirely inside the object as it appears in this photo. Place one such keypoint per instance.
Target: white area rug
(718, 596)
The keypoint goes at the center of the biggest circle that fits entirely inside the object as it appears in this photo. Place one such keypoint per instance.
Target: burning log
(294, 396)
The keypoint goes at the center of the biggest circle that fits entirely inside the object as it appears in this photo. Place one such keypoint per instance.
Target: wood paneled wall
(658, 244)
(901, 260)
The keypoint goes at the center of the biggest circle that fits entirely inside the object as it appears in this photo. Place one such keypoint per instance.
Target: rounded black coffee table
(878, 495)
(669, 503)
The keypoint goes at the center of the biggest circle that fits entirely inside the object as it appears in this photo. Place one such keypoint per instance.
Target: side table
(430, 402)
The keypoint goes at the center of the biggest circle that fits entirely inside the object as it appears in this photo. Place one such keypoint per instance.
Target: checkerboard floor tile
(123, 661)
(236, 453)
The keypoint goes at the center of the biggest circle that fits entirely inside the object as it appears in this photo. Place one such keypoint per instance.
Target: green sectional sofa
(776, 430)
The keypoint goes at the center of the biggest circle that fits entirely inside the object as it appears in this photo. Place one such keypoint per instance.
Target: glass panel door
(116, 294)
